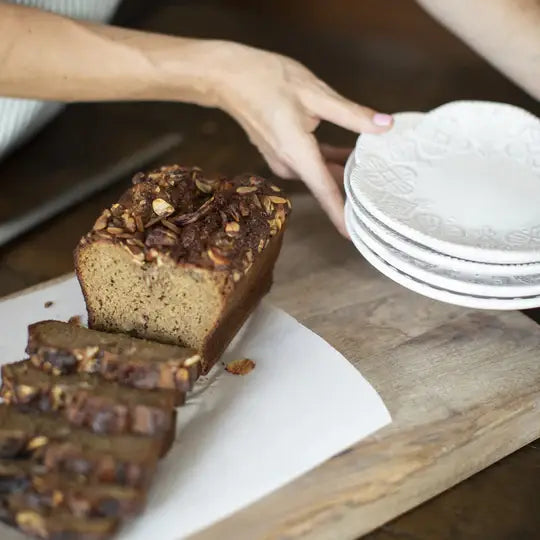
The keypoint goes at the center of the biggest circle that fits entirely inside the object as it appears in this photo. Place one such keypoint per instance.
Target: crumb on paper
(240, 367)
(76, 320)
(49, 303)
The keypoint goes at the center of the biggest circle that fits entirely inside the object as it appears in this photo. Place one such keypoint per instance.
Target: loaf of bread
(63, 348)
(88, 400)
(28, 483)
(181, 258)
(50, 440)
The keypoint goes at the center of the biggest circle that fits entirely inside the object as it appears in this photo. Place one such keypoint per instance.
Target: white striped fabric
(21, 118)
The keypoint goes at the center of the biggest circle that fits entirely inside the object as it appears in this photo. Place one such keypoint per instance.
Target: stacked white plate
(447, 204)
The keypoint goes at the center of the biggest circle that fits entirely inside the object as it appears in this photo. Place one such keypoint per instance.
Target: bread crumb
(240, 367)
(49, 303)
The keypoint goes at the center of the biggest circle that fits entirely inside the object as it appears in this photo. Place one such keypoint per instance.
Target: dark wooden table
(390, 56)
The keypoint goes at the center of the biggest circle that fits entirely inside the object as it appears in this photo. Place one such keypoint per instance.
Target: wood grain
(463, 388)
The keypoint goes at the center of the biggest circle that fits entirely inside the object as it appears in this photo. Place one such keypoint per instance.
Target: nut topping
(162, 208)
(242, 190)
(32, 523)
(102, 221)
(267, 204)
(37, 442)
(232, 228)
(278, 200)
(204, 186)
(217, 259)
(176, 215)
(25, 393)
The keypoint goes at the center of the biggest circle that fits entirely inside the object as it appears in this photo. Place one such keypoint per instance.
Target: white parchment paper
(239, 437)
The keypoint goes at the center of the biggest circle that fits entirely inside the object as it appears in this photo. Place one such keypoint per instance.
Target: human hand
(280, 103)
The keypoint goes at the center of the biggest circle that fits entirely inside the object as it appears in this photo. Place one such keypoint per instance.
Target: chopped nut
(247, 268)
(170, 225)
(240, 367)
(244, 208)
(192, 360)
(161, 236)
(203, 186)
(48, 304)
(232, 228)
(216, 258)
(25, 393)
(267, 204)
(76, 320)
(101, 221)
(181, 378)
(58, 397)
(234, 214)
(162, 208)
(138, 178)
(117, 210)
(256, 201)
(274, 227)
(237, 276)
(191, 217)
(278, 200)
(114, 230)
(139, 223)
(129, 224)
(242, 190)
(37, 442)
(249, 255)
(32, 523)
(57, 498)
(260, 247)
(274, 188)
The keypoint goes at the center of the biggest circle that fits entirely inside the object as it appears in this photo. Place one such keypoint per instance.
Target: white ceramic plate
(442, 295)
(461, 282)
(463, 179)
(425, 254)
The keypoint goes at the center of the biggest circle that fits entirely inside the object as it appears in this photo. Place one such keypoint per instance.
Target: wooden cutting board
(463, 388)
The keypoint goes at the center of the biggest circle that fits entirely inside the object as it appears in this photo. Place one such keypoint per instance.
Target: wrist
(193, 70)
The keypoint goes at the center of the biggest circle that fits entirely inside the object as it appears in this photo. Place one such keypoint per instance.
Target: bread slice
(30, 484)
(123, 459)
(55, 524)
(63, 348)
(88, 401)
(181, 258)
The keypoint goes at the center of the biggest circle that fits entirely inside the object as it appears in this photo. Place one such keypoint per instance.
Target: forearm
(49, 57)
(505, 32)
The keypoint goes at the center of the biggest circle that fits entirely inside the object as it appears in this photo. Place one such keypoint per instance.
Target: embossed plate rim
(424, 253)
(435, 278)
(498, 250)
(442, 295)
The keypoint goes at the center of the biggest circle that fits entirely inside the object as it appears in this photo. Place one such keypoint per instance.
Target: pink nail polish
(381, 119)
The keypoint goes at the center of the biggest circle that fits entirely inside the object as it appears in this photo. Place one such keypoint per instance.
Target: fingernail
(381, 119)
